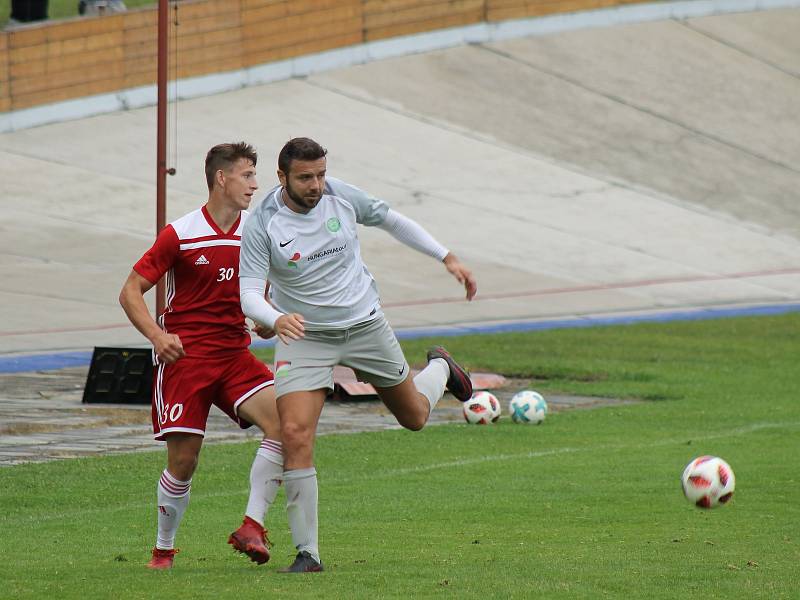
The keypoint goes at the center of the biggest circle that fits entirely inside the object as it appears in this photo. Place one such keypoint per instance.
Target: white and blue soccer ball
(527, 406)
(483, 408)
(708, 482)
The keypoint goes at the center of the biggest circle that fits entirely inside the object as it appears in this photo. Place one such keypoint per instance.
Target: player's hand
(462, 274)
(263, 331)
(168, 347)
(290, 327)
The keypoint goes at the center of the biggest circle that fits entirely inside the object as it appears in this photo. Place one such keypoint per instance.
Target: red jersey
(201, 263)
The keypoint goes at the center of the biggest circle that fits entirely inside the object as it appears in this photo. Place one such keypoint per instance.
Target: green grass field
(587, 505)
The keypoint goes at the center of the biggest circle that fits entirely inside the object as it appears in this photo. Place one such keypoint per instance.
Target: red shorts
(184, 391)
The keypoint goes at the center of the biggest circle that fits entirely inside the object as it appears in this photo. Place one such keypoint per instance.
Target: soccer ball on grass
(527, 407)
(483, 408)
(708, 482)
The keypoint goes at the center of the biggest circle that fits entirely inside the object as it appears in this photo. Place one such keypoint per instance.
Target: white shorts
(370, 349)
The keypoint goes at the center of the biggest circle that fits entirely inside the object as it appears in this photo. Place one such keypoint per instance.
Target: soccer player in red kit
(200, 348)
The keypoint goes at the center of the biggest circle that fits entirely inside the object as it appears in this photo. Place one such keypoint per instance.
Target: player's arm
(263, 331)
(254, 305)
(254, 257)
(374, 211)
(167, 346)
(260, 330)
(413, 235)
(462, 274)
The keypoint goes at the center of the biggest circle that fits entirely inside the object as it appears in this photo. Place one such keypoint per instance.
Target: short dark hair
(299, 149)
(222, 156)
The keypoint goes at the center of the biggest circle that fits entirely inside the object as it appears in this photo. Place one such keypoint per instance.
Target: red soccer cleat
(251, 539)
(459, 384)
(162, 559)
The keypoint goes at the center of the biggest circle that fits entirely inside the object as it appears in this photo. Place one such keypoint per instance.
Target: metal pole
(161, 142)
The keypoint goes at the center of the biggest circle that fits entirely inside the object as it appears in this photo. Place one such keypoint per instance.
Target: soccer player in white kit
(200, 350)
(325, 311)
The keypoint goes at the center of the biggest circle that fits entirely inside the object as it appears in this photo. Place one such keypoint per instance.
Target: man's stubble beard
(301, 201)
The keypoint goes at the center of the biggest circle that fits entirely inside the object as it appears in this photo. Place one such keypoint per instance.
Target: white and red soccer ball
(483, 408)
(708, 482)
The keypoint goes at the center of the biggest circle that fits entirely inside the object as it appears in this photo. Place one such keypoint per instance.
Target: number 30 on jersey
(225, 274)
(171, 414)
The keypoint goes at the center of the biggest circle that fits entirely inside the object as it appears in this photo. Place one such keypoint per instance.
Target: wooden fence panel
(501, 10)
(56, 61)
(296, 27)
(75, 58)
(5, 94)
(208, 38)
(402, 17)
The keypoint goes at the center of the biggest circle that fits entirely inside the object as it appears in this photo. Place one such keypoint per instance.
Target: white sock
(301, 508)
(432, 380)
(173, 498)
(266, 476)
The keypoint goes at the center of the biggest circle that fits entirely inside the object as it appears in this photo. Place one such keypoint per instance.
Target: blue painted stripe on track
(49, 362)
(43, 362)
(576, 322)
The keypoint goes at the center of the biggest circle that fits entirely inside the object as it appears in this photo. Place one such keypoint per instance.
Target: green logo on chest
(333, 225)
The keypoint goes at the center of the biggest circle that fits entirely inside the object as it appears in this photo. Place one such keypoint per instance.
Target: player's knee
(183, 467)
(296, 435)
(413, 421)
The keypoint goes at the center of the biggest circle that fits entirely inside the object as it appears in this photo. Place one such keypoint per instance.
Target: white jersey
(313, 261)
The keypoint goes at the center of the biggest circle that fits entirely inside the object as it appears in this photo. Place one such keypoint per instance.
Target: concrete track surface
(625, 170)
